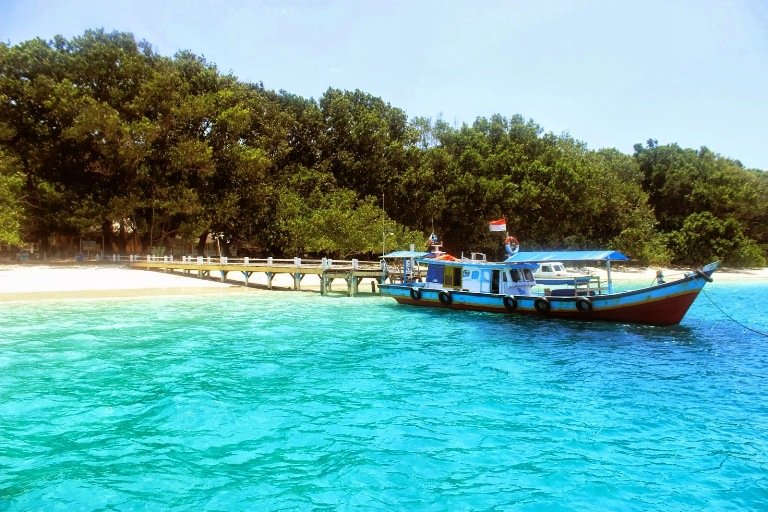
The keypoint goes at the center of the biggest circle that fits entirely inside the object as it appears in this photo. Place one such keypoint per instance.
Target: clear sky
(610, 73)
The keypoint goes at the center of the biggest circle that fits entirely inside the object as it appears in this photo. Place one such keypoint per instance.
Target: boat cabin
(480, 277)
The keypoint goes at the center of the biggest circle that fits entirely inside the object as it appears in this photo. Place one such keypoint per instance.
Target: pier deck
(328, 270)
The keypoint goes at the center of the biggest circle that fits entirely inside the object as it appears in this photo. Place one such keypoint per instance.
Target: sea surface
(293, 401)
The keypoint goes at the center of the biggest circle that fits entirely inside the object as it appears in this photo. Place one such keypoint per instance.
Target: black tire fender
(510, 303)
(542, 305)
(583, 304)
(445, 297)
(415, 293)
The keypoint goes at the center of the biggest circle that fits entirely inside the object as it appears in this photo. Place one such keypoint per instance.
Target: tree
(102, 133)
(11, 210)
(691, 189)
(365, 140)
(705, 237)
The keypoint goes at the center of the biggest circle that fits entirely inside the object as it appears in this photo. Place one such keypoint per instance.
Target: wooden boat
(475, 284)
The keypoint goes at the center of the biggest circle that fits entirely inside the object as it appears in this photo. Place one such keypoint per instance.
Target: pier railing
(324, 263)
(327, 269)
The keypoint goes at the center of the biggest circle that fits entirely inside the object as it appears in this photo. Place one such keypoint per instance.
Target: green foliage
(709, 206)
(99, 133)
(644, 244)
(335, 223)
(364, 141)
(11, 182)
(705, 237)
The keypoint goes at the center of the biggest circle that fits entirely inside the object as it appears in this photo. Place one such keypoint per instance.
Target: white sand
(40, 282)
(44, 282)
(30, 282)
(24, 279)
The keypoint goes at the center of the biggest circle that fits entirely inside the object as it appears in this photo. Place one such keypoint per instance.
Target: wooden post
(297, 277)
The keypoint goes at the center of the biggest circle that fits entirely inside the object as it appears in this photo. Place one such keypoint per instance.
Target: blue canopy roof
(406, 254)
(568, 256)
(480, 263)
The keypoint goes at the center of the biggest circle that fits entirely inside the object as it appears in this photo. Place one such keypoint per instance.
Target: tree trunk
(108, 234)
(121, 240)
(201, 243)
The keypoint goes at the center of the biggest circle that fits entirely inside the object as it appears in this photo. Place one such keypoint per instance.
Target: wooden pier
(328, 270)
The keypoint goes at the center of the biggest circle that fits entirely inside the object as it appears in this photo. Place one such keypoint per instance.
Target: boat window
(515, 275)
(558, 268)
(466, 273)
(546, 268)
(528, 275)
(475, 274)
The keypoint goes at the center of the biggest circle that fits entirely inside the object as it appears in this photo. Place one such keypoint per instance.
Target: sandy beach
(43, 282)
(58, 282)
(51, 282)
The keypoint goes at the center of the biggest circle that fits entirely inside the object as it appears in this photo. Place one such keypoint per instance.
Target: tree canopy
(101, 136)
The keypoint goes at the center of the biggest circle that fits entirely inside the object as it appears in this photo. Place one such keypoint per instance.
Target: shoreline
(115, 294)
(52, 282)
(41, 282)
(632, 274)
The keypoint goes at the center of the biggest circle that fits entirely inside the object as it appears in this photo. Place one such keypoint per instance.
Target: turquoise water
(292, 401)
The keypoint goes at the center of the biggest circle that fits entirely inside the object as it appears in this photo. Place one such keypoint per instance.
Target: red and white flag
(498, 225)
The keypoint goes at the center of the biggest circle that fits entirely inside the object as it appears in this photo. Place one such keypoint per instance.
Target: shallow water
(292, 401)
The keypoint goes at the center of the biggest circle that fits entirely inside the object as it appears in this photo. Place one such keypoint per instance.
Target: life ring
(415, 293)
(542, 305)
(511, 245)
(704, 276)
(510, 303)
(583, 304)
(445, 297)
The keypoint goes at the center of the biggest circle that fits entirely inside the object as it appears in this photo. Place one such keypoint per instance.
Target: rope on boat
(731, 318)
(673, 275)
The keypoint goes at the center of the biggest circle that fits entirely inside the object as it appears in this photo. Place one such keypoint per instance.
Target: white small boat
(555, 273)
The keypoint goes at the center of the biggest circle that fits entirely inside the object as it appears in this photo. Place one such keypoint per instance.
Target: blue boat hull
(664, 304)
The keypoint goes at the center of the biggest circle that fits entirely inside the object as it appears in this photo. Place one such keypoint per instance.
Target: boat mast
(383, 226)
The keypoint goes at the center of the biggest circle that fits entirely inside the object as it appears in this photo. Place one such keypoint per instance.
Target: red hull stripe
(666, 311)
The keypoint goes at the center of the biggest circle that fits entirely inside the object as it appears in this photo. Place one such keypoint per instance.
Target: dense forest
(102, 138)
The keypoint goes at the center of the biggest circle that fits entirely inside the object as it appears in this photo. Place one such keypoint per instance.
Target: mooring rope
(731, 318)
